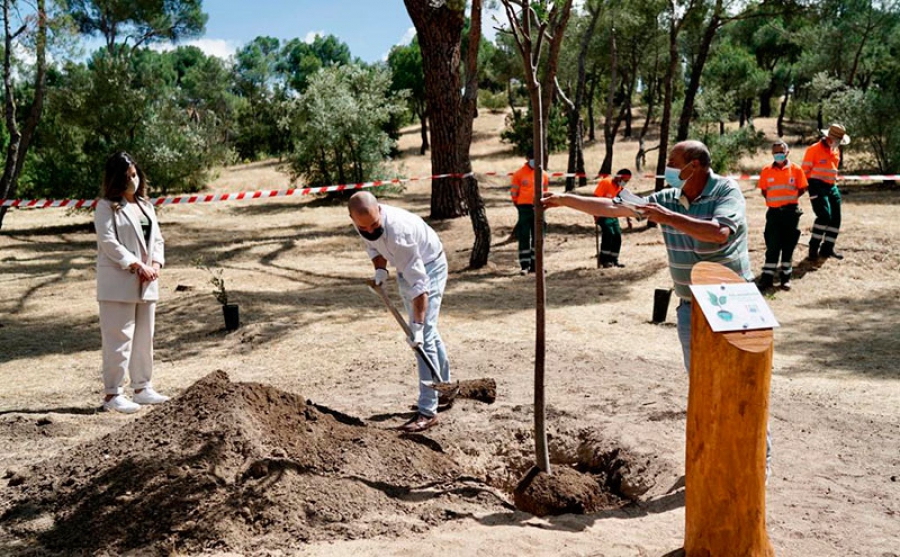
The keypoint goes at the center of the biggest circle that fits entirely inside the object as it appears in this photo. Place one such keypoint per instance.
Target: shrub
(520, 132)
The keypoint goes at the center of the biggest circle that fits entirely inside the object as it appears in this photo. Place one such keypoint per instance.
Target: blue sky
(369, 27)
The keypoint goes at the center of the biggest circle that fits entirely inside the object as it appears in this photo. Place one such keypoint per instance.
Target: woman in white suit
(129, 257)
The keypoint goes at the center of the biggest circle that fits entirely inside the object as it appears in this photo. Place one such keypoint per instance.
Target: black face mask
(373, 235)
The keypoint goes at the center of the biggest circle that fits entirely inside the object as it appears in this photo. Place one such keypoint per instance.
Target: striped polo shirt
(721, 200)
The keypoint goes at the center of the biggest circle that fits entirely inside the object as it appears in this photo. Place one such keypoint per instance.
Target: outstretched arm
(597, 206)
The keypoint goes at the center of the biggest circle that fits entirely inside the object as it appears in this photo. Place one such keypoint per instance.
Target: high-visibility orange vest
(607, 188)
(782, 185)
(522, 188)
(820, 162)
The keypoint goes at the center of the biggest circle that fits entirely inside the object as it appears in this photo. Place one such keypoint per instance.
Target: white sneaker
(149, 396)
(121, 404)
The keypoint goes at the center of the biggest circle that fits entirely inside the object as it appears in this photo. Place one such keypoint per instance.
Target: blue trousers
(433, 345)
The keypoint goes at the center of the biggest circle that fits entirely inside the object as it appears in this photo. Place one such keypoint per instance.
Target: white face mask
(133, 184)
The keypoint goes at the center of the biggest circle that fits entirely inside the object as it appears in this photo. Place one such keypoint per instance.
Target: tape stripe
(210, 198)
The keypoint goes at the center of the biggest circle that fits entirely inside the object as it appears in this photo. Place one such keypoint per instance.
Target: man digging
(391, 234)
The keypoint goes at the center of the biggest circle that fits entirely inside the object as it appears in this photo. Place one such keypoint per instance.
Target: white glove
(418, 335)
(381, 275)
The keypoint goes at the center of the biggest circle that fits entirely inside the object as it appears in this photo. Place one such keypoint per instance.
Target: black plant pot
(661, 297)
(232, 316)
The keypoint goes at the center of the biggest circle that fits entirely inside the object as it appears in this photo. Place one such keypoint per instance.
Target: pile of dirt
(226, 465)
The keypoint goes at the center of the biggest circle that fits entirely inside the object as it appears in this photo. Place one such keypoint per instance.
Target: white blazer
(120, 243)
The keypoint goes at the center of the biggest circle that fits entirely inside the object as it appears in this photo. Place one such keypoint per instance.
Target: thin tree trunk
(540, 412)
(690, 94)
(781, 112)
(12, 126)
(859, 50)
(548, 78)
(609, 136)
(576, 125)
(468, 108)
(592, 126)
(667, 104)
(765, 101)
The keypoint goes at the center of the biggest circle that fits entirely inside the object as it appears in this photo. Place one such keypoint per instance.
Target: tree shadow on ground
(74, 410)
(866, 341)
(55, 230)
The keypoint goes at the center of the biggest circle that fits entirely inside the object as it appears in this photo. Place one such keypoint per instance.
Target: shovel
(449, 390)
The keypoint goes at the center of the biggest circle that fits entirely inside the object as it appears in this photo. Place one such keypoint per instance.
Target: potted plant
(230, 311)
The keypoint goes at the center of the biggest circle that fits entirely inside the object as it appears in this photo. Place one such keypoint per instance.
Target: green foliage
(735, 71)
(494, 102)
(873, 122)
(520, 133)
(299, 60)
(338, 125)
(115, 103)
(726, 150)
(150, 20)
(405, 62)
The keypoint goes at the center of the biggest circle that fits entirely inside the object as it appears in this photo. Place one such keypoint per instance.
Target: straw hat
(838, 133)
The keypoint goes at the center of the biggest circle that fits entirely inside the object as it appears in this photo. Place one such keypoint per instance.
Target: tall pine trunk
(439, 31)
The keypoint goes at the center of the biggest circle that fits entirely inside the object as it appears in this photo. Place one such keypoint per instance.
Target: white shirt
(408, 243)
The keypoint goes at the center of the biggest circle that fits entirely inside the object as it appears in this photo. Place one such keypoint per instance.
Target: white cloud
(407, 37)
(311, 36)
(404, 40)
(220, 48)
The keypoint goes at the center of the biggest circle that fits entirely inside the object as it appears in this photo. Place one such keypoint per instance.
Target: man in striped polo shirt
(702, 218)
(781, 183)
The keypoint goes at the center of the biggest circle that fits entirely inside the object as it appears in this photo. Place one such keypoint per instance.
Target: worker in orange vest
(522, 193)
(610, 231)
(820, 164)
(781, 183)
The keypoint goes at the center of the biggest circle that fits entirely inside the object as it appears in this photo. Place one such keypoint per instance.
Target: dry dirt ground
(73, 477)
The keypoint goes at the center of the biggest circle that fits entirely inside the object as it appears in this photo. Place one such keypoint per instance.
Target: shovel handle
(379, 290)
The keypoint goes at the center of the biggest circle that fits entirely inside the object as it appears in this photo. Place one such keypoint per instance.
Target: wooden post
(725, 465)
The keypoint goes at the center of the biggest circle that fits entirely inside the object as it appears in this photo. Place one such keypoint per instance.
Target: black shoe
(785, 284)
(832, 254)
(619, 265)
(765, 282)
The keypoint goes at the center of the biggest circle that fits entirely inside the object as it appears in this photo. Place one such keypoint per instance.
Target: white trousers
(126, 330)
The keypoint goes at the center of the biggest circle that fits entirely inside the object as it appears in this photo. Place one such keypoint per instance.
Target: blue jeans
(433, 345)
(683, 312)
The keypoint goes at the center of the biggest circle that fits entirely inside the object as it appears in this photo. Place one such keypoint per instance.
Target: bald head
(688, 151)
(362, 203)
(365, 214)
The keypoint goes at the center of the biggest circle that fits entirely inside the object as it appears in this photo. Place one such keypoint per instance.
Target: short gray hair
(696, 151)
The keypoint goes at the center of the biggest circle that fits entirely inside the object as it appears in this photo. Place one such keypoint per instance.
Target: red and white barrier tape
(200, 198)
(265, 194)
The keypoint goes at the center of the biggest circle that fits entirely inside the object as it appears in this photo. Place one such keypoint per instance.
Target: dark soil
(484, 390)
(232, 465)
